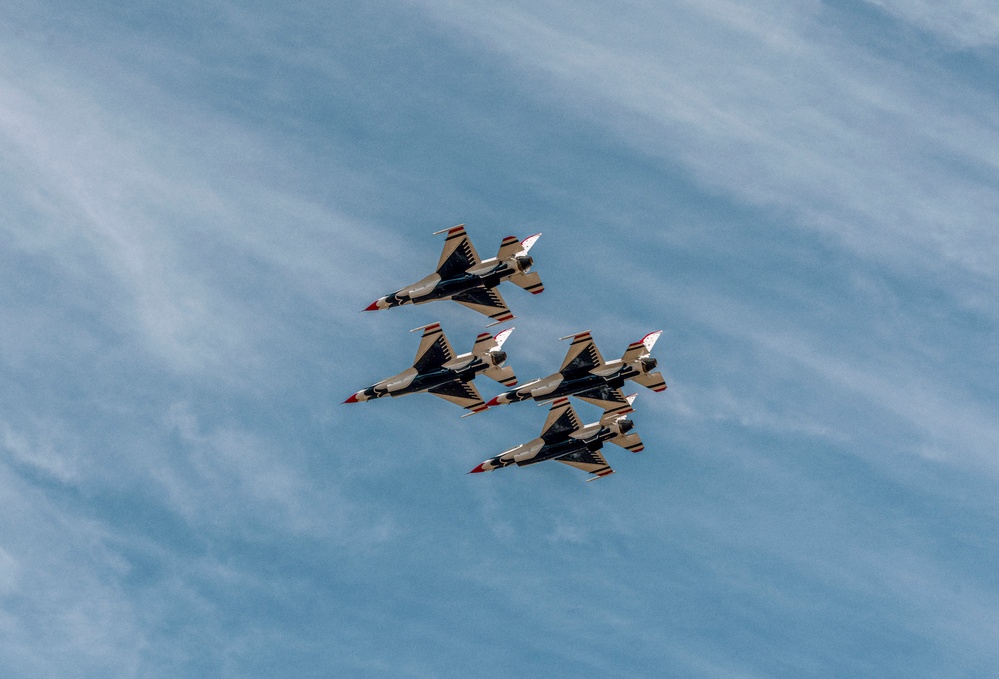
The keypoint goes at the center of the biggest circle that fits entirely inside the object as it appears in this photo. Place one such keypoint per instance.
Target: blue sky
(197, 199)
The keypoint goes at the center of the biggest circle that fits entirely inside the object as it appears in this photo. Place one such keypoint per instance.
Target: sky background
(196, 200)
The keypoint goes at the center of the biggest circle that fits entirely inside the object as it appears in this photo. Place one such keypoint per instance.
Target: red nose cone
(373, 306)
(352, 399)
(494, 401)
(478, 469)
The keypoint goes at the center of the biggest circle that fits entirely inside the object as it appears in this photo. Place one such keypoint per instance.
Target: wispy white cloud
(170, 223)
(966, 23)
(774, 107)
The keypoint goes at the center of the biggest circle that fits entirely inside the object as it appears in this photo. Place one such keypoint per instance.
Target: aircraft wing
(641, 348)
(486, 301)
(458, 256)
(591, 461)
(583, 355)
(562, 421)
(434, 349)
(610, 399)
(463, 393)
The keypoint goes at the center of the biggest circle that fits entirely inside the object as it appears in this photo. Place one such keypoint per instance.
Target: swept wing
(591, 461)
(486, 301)
(434, 350)
(458, 256)
(583, 355)
(610, 399)
(463, 393)
(561, 422)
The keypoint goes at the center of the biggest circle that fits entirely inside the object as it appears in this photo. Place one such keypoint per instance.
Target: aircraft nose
(373, 306)
(480, 468)
(351, 399)
(494, 401)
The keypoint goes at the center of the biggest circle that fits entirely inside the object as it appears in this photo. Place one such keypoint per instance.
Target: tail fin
(511, 247)
(529, 242)
(485, 342)
(622, 425)
(489, 349)
(642, 347)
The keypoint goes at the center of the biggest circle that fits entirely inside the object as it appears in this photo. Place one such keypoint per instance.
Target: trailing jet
(564, 440)
(584, 374)
(438, 371)
(468, 280)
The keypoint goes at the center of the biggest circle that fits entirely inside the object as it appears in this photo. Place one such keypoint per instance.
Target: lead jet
(565, 440)
(468, 280)
(438, 371)
(584, 374)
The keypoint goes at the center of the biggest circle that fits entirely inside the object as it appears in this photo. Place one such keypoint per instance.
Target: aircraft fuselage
(431, 290)
(410, 381)
(551, 387)
(540, 450)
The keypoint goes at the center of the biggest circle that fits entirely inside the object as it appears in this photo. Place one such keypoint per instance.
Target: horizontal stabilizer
(632, 442)
(504, 375)
(529, 281)
(653, 381)
(613, 411)
(509, 248)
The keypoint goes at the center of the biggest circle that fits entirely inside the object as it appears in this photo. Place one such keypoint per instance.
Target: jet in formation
(465, 278)
(565, 440)
(584, 374)
(438, 371)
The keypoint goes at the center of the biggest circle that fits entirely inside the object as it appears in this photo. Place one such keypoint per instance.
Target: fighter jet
(438, 371)
(564, 440)
(468, 280)
(584, 374)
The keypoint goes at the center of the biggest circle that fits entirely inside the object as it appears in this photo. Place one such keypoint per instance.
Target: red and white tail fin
(511, 247)
(529, 242)
(622, 425)
(485, 342)
(642, 347)
(489, 349)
